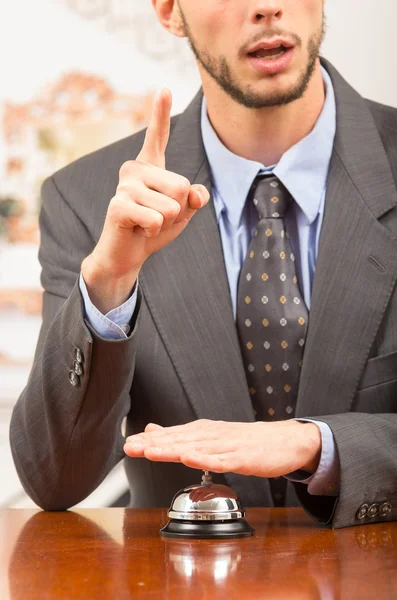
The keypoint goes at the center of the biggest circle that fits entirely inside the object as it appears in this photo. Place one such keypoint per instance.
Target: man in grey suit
(148, 311)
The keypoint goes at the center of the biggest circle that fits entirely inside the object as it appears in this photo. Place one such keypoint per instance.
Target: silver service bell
(206, 510)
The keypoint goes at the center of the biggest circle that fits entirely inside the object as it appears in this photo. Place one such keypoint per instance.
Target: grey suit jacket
(182, 360)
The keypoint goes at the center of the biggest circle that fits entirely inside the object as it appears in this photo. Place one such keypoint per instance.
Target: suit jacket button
(74, 378)
(385, 509)
(78, 368)
(373, 510)
(79, 355)
(362, 512)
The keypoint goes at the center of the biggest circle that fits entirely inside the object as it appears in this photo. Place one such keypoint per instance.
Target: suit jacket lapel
(186, 288)
(356, 267)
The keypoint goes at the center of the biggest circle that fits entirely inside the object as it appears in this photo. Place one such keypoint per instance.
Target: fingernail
(200, 195)
(156, 450)
(203, 196)
(135, 443)
(157, 98)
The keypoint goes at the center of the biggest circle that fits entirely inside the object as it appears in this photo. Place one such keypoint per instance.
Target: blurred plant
(9, 207)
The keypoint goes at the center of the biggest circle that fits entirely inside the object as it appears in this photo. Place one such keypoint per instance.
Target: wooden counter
(115, 554)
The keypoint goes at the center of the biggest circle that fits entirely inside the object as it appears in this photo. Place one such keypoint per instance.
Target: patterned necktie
(271, 314)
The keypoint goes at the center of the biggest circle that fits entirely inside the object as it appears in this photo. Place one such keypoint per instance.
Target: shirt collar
(306, 161)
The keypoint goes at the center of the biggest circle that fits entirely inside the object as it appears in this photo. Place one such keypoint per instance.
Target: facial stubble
(218, 68)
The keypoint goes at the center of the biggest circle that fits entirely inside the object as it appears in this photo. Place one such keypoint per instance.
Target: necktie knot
(270, 197)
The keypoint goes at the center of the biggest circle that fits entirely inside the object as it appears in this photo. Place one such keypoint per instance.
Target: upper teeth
(266, 52)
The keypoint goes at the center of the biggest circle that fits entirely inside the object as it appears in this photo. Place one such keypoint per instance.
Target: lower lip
(272, 66)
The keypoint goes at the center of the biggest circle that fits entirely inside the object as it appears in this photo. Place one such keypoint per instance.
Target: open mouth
(270, 53)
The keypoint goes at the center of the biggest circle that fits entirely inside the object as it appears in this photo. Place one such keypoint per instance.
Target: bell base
(207, 529)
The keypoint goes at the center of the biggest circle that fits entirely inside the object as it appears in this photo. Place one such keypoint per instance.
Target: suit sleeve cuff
(115, 325)
(326, 480)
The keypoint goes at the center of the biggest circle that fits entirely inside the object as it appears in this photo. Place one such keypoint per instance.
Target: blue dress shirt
(303, 170)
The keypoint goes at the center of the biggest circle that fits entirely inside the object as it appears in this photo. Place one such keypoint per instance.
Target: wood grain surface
(115, 553)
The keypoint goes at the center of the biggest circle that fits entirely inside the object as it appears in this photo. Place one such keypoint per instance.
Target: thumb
(152, 427)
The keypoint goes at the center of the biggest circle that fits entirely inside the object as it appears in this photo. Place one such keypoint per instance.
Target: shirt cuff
(115, 325)
(326, 480)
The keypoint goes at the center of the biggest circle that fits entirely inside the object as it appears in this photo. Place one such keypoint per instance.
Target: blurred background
(76, 75)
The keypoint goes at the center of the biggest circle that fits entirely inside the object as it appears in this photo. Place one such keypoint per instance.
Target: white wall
(40, 39)
(362, 44)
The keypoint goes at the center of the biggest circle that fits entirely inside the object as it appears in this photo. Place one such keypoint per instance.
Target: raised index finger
(158, 131)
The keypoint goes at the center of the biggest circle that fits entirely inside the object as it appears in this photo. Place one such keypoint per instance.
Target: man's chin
(267, 96)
